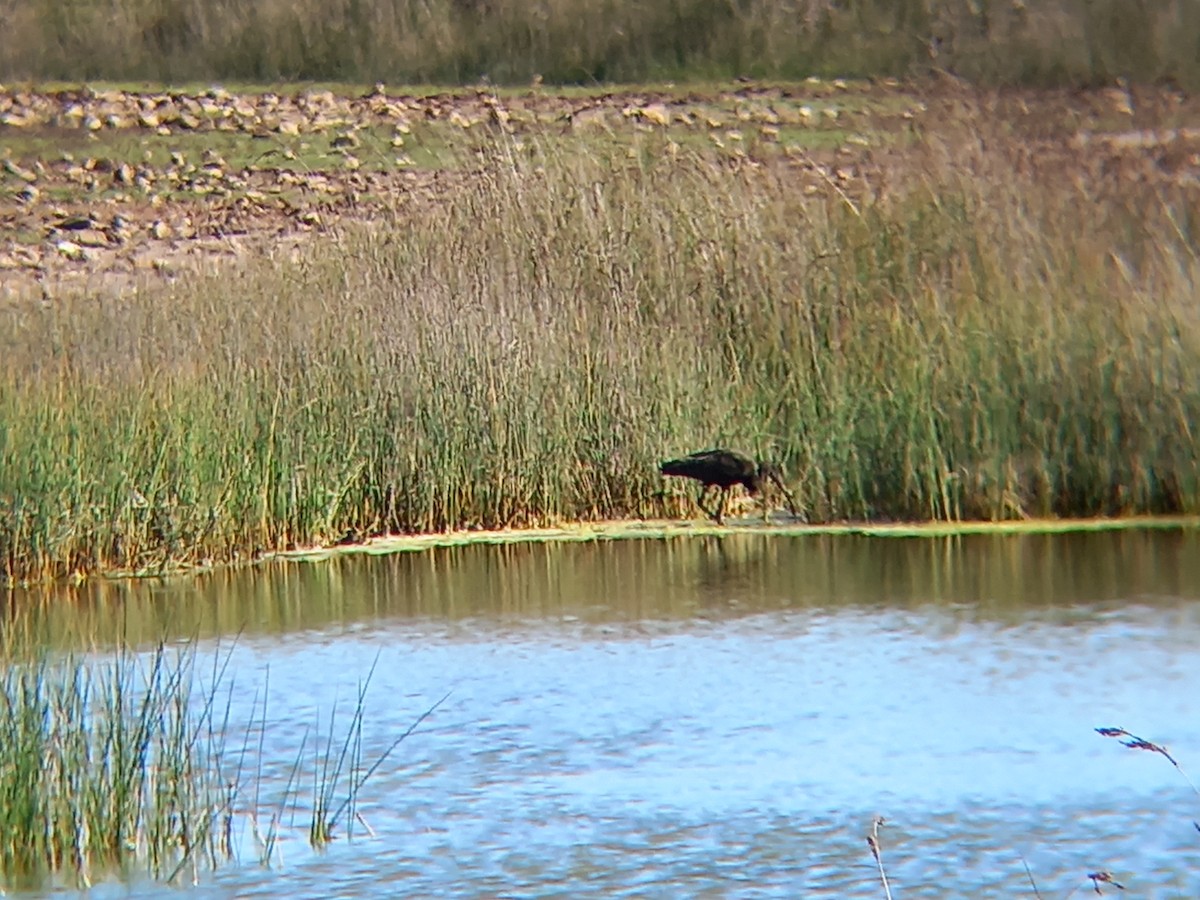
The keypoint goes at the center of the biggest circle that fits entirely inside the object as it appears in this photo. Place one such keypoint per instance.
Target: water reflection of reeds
(993, 577)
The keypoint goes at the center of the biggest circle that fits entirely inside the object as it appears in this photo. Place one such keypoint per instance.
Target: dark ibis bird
(723, 469)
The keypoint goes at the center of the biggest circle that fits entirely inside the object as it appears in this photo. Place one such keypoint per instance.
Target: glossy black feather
(719, 467)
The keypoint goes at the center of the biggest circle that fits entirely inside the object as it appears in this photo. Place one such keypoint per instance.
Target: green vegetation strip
(665, 530)
(588, 41)
(954, 336)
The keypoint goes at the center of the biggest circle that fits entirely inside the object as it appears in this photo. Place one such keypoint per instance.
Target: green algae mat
(667, 529)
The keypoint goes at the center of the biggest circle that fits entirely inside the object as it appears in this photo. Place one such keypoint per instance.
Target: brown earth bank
(102, 188)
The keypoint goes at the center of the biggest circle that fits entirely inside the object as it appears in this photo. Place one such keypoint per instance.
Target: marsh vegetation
(126, 762)
(502, 307)
(959, 322)
(1064, 42)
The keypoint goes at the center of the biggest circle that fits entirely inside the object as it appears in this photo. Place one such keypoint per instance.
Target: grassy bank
(976, 336)
(584, 41)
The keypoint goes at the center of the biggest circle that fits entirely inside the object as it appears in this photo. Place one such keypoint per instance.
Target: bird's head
(759, 479)
(769, 473)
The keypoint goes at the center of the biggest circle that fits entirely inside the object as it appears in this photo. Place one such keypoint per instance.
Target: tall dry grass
(581, 41)
(980, 338)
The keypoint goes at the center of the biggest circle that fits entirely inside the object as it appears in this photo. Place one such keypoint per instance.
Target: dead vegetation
(1044, 43)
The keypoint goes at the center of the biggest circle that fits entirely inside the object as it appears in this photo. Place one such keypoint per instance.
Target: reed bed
(103, 764)
(975, 336)
(585, 41)
(127, 763)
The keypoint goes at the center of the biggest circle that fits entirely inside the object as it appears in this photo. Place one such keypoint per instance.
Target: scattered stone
(656, 114)
(596, 117)
(71, 251)
(24, 174)
(284, 182)
(74, 223)
(92, 237)
(27, 257)
(118, 229)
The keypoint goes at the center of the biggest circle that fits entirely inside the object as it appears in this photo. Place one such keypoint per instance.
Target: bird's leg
(791, 501)
(700, 499)
(719, 515)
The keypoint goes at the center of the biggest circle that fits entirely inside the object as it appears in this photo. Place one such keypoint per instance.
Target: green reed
(127, 763)
(970, 342)
(103, 764)
(585, 41)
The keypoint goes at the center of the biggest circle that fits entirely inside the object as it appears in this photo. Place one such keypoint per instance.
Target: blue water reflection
(737, 737)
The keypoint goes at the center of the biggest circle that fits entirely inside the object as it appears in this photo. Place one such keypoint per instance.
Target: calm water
(716, 717)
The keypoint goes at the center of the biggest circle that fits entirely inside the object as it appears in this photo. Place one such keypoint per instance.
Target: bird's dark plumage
(724, 469)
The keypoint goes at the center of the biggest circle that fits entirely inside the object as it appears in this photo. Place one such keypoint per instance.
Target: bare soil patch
(108, 187)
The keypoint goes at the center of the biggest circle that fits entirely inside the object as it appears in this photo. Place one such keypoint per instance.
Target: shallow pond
(715, 716)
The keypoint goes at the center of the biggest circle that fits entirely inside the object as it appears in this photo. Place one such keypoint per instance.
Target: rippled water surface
(715, 716)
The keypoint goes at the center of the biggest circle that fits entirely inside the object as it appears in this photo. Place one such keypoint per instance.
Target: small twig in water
(873, 843)
(363, 822)
(1032, 883)
(1139, 743)
(357, 785)
(1099, 878)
